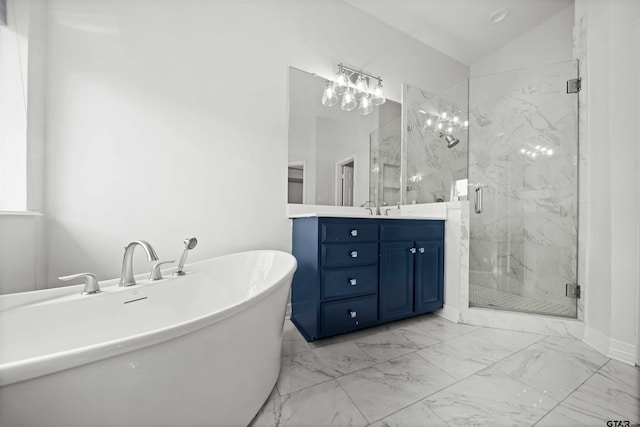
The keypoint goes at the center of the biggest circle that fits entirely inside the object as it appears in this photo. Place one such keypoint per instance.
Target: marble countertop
(423, 212)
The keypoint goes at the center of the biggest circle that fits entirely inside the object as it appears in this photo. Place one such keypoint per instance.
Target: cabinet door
(429, 277)
(396, 280)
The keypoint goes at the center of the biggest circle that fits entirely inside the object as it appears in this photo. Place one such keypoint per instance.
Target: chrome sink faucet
(127, 278)
(369, 205)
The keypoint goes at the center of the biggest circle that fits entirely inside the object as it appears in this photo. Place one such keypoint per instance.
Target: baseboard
(596, 339)
(449, 313)
(622, 351)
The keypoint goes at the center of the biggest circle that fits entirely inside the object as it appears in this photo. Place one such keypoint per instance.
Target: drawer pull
(352, 314)
(412, 250)
(421, 250)
(354, 233)
(353, 254)
(352, 281)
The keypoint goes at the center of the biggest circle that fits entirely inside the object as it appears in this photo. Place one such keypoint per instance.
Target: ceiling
(462, 29)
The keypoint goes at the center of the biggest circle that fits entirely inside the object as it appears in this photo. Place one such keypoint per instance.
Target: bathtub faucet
(127, 278)
(189, 243)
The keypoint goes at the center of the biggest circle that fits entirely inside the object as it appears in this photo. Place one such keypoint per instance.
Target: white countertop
(424, 211)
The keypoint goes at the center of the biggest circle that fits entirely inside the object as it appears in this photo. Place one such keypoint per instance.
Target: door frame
(303, 164)
(338, 178)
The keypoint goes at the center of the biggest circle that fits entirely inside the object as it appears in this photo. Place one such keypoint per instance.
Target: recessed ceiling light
(499, 15)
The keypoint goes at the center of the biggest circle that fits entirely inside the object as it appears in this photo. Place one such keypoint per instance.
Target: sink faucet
(372, 204)
(127, 278)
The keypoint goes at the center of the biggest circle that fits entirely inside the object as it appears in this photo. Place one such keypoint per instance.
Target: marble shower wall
(432, 168)
(524, 154)
(385, 163)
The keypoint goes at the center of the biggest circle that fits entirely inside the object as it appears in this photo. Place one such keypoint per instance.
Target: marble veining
(392, 385)
(524, 156)
(427, 370)
(431, 167)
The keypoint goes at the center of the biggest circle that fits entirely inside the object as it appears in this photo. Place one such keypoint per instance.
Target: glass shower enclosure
(517, 165)
(523, 190)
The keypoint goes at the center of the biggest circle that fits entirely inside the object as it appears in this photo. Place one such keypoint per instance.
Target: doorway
(344, 182)
(296, 183)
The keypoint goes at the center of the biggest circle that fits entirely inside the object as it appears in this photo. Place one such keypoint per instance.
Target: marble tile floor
(427, 371)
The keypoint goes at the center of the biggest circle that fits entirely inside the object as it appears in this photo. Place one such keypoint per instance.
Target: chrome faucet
(369, 205)
(127, 278)
(91, 285)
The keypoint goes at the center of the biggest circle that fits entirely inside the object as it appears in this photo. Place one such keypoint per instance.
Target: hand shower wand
(189, 243)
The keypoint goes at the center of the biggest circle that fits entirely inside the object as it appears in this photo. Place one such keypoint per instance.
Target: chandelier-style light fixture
(355, 88)
(445, 124)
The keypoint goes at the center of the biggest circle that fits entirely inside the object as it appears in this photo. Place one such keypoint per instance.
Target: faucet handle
(91, 285)
(155, 271)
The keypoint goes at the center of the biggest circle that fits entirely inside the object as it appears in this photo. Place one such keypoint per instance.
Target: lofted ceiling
(462, 29)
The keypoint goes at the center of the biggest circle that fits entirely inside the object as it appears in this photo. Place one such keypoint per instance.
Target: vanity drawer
(344, 282)
(412, 230)
(348, 315)
(345, 254)
(349, 232)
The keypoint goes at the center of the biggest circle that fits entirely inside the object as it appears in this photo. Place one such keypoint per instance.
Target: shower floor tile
(429, 371)
(481, 296)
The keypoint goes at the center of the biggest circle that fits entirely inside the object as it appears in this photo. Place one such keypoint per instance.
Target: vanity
(357, 272)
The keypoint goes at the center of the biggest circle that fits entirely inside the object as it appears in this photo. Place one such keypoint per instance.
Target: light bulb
(444, 115)
(342, 82)
(362, 89)
(449, 130)
(329, 97)
(348, 101)
(429, 122)
(549, 152)
(377, 97)
(365, 106)
(465, 123)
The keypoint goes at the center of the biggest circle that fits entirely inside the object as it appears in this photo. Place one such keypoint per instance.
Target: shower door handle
(477, 206)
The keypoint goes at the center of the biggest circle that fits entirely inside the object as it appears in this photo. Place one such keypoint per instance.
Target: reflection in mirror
(384, 181)
(332, 144)
(437, 145)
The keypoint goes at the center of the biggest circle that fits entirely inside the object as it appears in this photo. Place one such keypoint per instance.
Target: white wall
(169, 119)
(613, 109)
(549, 42)
(14, 58)
(21, 239)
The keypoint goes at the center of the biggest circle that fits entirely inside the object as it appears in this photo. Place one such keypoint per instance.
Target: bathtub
(201, 349)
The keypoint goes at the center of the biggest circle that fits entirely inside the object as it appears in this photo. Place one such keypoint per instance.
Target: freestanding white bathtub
(202, 349)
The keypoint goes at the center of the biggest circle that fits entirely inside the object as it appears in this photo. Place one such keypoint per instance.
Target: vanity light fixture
(355, 88)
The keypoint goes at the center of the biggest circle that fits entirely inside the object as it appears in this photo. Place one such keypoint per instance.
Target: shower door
(523, 190)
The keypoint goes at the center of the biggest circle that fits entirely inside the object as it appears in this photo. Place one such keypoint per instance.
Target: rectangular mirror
(329, 148)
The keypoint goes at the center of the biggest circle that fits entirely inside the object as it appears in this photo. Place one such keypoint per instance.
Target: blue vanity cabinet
(411, 268)
(355, 272)
(335, 288)
(396, 279)
(429, 275)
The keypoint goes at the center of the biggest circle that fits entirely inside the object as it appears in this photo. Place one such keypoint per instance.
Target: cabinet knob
(421, 250)
(354, 233)
(412, 250)
(352, 281)
(352, 314)
(353, 254)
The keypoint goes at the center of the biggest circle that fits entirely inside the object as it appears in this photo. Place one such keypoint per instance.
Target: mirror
(329, 148)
